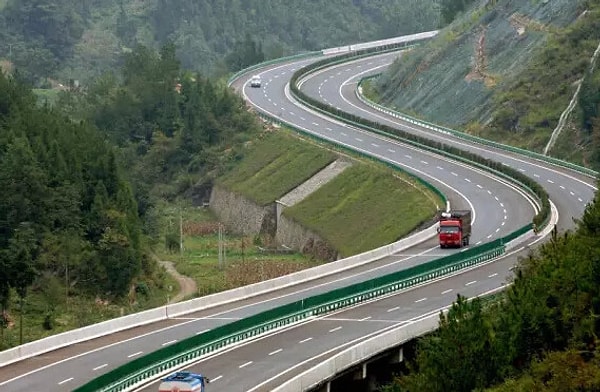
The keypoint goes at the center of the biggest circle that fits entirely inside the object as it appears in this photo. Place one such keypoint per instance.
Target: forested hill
(82, 202)
(507, 70)
(64, 204)
(75, 39)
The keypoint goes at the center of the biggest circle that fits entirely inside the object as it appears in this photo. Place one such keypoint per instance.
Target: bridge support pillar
(397, 357)
(325, 388)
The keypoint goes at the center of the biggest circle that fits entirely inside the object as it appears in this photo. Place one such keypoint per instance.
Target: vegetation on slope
(67, 212)
(76, 39)
(542, 335)
(79, 215)
(507, 71)
(528, 110)
(389, 204)
(274, 165)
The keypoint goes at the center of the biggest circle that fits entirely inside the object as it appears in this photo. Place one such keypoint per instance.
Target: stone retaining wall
(241, 215)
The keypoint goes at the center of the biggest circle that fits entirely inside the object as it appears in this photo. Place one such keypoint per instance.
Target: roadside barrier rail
(186, 352)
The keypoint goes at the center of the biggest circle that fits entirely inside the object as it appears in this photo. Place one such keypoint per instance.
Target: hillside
(505, 70)
(76, 39)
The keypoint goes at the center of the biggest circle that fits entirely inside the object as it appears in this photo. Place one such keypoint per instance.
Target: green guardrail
(540, 220)
(475, 139)
(166, 359)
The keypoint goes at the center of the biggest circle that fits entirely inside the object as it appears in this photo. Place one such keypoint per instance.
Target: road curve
(569, 190)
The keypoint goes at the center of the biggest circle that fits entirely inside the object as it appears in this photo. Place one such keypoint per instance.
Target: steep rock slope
(505, 69)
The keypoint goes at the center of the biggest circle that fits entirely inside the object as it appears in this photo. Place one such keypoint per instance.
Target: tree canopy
(60, 184)
(78, 39)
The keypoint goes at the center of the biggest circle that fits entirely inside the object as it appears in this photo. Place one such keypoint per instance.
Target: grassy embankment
(366, 206)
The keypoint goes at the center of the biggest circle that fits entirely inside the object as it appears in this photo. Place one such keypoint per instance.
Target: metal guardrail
(163, 361)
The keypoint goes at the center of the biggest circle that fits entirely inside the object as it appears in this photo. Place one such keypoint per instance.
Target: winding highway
(259, 365)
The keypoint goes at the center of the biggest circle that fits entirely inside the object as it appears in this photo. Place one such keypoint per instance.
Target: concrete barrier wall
(381, 42)
(237, 212)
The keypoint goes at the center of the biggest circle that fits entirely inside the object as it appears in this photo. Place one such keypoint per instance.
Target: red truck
(455, 228)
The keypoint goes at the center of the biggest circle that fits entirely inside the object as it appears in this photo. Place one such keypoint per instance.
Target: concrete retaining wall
(293, 235)
(238, 213)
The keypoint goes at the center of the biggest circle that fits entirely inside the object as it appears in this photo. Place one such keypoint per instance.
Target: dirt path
(187, 285)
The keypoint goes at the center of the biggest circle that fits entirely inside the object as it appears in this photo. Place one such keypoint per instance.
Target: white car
(255, 81)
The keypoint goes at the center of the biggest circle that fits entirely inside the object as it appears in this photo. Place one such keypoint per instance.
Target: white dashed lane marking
(305, 340)
(245, 364)
(275, 352)
(100, 367)
(65, 381)
(470, 283)
(446, 291)
(421, 300)
(134, 354)
(335, 329)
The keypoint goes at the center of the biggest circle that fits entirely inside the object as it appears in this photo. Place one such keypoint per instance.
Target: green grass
(365, 207)
(274, 166)
(201, 262)
(244, 262)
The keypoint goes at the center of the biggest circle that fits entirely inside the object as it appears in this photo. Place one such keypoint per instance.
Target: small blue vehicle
(183, 382)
